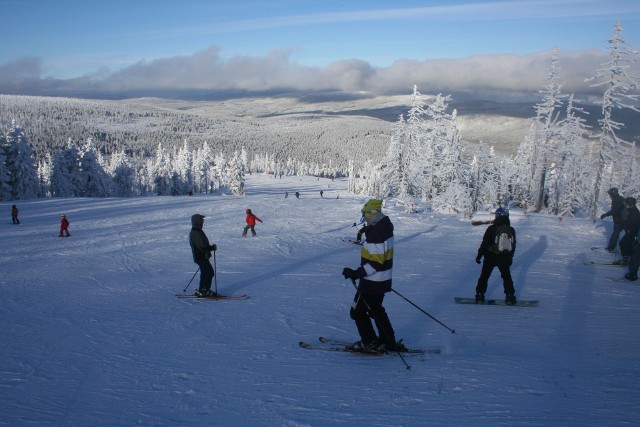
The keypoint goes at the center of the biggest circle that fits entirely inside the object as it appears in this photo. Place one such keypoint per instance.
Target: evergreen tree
(5, 188)
(123, 176)
(619, 87)
(20, 164)
(94, 181)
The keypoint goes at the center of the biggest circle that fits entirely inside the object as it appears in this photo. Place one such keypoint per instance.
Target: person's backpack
(503, 240)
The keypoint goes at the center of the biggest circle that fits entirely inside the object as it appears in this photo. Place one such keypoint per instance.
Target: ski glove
(478, 258)
(213, 247)
(349, 273)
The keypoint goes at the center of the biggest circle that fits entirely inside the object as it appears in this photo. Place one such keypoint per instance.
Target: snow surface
(92, 334)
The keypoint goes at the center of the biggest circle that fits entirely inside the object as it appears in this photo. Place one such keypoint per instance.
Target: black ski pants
(367, 307)
(504, 265)
(206, 274)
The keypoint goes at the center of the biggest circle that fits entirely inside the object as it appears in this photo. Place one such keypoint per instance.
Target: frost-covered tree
(123, 176)
(620, 91)
(184, 168)
(65, 176)
(162, 172)
(393, 167)
(545, 126)
(5, 188)
(235, 175)
(94, 180)
(20, 164)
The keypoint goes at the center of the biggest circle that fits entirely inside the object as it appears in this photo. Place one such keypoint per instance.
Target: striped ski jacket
(376, 258)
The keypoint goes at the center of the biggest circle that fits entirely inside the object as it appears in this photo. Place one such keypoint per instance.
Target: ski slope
(92, 334)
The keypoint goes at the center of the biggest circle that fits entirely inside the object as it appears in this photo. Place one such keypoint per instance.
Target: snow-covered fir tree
(620, 91)
(123, 176)
(94, 180)
(5, 188)
(20, 164)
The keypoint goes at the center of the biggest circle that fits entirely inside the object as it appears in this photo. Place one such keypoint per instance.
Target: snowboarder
(498, 246)
(201, 250)
(617, 213)
(14, 215)
(64, 226)
(631, 226)
(374, 273)
(251, 223)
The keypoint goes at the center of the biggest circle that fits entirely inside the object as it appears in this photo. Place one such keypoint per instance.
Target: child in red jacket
(251, 223)
(64, 224)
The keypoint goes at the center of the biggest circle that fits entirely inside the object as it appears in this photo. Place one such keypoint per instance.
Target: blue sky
(124, 45)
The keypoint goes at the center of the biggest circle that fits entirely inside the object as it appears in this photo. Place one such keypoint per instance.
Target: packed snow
(92, 333)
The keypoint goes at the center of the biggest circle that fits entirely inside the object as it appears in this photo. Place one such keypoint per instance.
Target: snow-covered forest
(561, 163)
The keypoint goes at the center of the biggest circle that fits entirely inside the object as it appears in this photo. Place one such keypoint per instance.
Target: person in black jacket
(374, 275)
(495, 256)
(616, 212)
(631, 226)
(633, 222)
(201, 250)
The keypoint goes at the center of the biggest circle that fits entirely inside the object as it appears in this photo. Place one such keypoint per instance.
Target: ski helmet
(502, 212)
(613, 191)
(248, 211)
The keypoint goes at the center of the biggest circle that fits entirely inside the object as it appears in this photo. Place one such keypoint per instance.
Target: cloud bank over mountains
(496, 76)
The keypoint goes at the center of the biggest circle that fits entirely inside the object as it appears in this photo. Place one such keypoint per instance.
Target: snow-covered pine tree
(65, 176)
(123, 182)
(94, 181)
(5, 188)
(161, 172)
(235, 175)
(620, 91)
(184, 167)
(545, 124)
(20, 164)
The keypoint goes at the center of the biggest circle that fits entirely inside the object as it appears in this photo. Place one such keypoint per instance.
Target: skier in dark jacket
(201, 250)
(374, 273)
(493, 258)
(631, 226)
(633, 222)
(617, 213)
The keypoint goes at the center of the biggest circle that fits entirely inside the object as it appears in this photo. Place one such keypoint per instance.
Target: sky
(73, 46)
(92, 335)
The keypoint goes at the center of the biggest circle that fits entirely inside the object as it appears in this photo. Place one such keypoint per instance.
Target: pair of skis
(328, 344)
(215, 297)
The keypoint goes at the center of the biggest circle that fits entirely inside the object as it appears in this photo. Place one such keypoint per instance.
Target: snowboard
(520, 303)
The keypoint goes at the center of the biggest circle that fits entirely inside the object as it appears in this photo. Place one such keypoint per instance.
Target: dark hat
(612, 191)
(248, 211)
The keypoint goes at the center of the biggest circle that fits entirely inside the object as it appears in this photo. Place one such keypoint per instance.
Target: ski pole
(215, 273)
(194, 275)
(353, 282)
(398, 293)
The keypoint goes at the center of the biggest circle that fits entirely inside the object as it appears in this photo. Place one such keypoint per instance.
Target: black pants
(634, 260)
(206, 274)
(505, 271)
(367, 307)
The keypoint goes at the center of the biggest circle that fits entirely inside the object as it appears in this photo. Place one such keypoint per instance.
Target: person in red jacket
(14, 215)
(64, 225)
(251, 223)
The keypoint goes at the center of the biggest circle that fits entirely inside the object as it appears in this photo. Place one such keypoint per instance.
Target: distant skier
(617, 212)
(297, 195)
(14, 215)
(201, 250)
(498, 246)
(321, 193)
(251, 223)
(374, 273)
(64, 226)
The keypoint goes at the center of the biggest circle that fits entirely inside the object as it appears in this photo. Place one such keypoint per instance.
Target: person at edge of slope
(251, 223)
(631, 226)
(494, 257)
(201, 250)
(617, 213)
(374, 275)
(634, 258)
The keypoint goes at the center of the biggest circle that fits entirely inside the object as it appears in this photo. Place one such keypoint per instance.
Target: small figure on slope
(374, 273)
(497, 247)
(64, 226)
(14, 215)
(201, 250)
(251, 223)
(616, 212)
